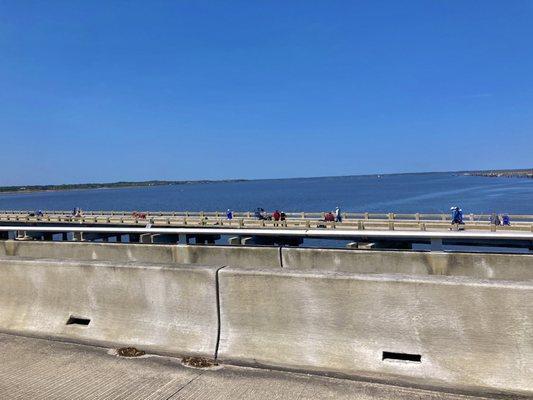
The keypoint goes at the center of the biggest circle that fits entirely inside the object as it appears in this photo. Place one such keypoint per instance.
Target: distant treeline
(74, 186)
(508, 173)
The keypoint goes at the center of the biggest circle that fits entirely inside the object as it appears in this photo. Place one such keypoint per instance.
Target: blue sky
(130, 90)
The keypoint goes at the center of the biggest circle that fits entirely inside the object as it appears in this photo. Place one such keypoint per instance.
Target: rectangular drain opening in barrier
(78, 321)
(389, 355)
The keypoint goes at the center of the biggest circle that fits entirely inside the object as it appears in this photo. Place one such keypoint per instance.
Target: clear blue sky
(193, 89)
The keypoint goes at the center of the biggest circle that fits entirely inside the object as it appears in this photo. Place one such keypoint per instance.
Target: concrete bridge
(400, 231)
(451, 322)
(302, 220)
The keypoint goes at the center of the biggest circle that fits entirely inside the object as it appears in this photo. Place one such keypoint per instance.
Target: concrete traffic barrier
(163, 310)
(235, 256)
(460, 333)
(169, 254)
(477, 265)
(121, 252)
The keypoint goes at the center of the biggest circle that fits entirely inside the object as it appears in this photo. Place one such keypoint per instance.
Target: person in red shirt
(276, 215)
(329, 217)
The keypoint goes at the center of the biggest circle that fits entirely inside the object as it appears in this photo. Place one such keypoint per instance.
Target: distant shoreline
(111, 185)
(504, 173)
(509, 173)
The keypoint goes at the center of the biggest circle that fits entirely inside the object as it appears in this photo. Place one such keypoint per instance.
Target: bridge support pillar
(277, 240)
(248, 240)
(183, 239)
(206, 239)
(151, 238)
(234, 240)
(361, 245)
(436, 244)
(77, 236)
(91, 236)
(48, 236)
(391, 244)
(25, 236)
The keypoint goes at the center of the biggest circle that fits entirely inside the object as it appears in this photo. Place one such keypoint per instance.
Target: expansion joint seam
(184, 386)
(217, 288)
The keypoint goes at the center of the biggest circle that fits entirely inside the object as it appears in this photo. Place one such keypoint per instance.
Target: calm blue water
(396, 193)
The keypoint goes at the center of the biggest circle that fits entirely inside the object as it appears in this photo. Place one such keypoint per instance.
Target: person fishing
(259, 213)
(457, 216)
(338, 216)
(506, 220)
(329, 217)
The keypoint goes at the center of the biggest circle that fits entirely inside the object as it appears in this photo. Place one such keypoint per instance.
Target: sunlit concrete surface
(41, 369)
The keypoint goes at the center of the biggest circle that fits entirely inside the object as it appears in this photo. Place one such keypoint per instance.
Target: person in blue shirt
(457, 215)
(506, 221)
(229, 214)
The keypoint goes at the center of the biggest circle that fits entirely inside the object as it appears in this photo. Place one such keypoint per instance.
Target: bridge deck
(351, 221)
(40, 369)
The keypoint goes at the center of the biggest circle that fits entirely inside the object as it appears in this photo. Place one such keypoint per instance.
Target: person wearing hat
(457, 215)
(338, 216)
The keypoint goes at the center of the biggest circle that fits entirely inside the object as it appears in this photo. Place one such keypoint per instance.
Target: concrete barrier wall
(338, 317)
(481, 265)
(469, 334)
(165, 310)
(88, 251)
(236, 256)
(123, 252)
(477, 265)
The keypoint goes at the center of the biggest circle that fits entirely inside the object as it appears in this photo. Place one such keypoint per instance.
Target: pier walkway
(360, 230)
(296, 220)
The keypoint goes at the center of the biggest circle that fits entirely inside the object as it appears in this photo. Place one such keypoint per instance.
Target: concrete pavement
(40, 369)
